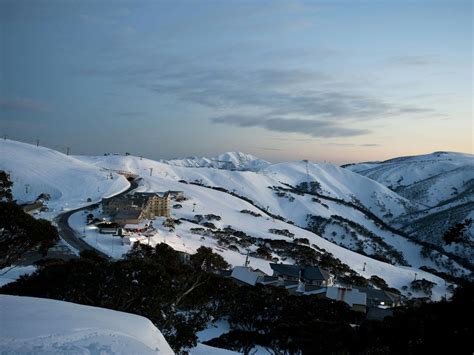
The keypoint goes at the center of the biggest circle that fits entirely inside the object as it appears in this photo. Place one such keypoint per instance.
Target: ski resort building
(353, 297)
(32, 207)
(249, 276)
(134, 208)
(309, 275)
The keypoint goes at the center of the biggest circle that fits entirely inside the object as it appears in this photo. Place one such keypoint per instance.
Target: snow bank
(44, 326)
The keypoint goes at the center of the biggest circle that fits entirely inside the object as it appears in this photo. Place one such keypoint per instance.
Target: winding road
(70, 236)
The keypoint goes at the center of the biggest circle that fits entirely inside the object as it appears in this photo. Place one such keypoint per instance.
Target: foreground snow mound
(229, 161)
(43, 326)
(68, 181)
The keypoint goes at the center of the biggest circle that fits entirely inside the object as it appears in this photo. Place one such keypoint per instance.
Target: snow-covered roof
(350, 296)
(140, 225)
(245, 275)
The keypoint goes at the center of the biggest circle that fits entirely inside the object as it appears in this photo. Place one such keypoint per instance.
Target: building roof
(315, 273)
(287, 270)
(267, 279)
(147, 195)
(128, 214)
(374, 294)
(138, 199)
(140, 225)
(310, 273)
(351, 296)
(290, 284)
(27, 207)
(314, 289)
(245, 275)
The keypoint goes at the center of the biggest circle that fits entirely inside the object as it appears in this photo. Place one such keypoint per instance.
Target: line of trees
(20, 232)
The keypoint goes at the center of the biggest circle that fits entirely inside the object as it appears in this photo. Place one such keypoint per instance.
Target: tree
(5, 186)
(207, 260)
(20, 233)
(456, 234)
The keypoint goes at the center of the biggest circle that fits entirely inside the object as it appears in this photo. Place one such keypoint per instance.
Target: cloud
(416, 60)
(314, 128)
(305, 95)
(339, 144)
(22, 104)
(268, 148)
(369, 145)
(277, 92)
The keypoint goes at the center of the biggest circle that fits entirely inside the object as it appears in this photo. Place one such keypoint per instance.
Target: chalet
(247, 276)
(142, 226)
(356, 299)
(380, 298)
(32, 207)
(108, 228)
(309, 275)
(125, 217)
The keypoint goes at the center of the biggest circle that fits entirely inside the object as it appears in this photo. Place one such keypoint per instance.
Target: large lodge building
(132, 209)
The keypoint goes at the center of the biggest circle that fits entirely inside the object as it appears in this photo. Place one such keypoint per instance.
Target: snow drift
(43, 326)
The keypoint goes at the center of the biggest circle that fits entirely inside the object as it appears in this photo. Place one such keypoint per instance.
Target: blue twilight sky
(335, 81)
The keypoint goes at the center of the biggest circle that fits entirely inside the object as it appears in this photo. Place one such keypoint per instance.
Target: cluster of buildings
(139, 206)
(313, 280)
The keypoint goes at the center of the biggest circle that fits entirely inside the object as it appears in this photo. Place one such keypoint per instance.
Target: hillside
(68, 181)
(442, 183)
(254, 186)
(427, 179)
(36, 325)
(346, 195)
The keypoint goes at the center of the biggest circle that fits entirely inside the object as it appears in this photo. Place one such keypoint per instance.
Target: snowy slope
(428, 179)
(442, 183)
(67, 180)
(43, 326)
(229, 160)
(208, 201)
(336, 182)
(342, 184)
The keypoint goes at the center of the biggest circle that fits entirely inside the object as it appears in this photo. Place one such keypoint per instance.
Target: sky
(335, 81)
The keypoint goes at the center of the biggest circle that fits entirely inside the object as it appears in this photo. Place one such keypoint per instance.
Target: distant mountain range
(228, 161)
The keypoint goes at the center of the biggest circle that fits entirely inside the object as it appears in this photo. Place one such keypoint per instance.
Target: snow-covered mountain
(428, 179)
(69, 181)
(43, 326)
(270, 196)
(341, 213)
(228, 161)
(442, 183)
